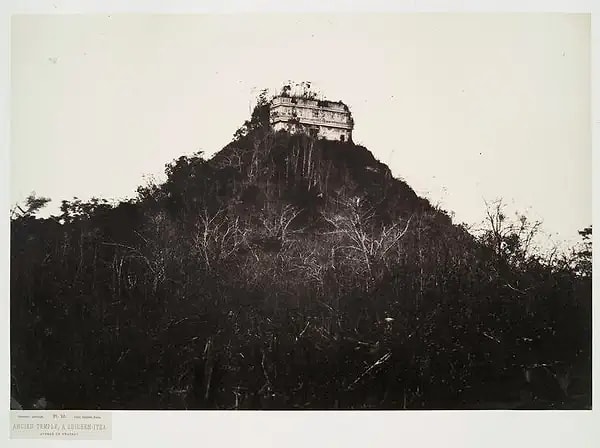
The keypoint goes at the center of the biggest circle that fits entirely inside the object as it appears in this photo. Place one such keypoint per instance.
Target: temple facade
(318, 118)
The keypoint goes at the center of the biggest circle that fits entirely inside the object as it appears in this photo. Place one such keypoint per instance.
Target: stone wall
(326, 132)
(323, 119)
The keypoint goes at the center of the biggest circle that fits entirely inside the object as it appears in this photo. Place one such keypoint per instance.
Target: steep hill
(288, 272)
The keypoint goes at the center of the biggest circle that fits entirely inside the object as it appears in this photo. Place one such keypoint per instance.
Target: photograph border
(320, 428)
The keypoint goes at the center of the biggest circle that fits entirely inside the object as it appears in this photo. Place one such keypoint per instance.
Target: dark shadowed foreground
(290, 273)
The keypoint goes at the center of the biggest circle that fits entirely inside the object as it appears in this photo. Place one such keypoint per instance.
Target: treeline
(290, 273)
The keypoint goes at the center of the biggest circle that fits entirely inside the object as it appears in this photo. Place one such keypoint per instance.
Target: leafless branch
(380, 361)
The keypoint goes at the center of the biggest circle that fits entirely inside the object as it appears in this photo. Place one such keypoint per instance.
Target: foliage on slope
(287, 272)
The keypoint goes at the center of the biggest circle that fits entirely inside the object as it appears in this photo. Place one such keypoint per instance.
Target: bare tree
(513, 240)
(277, 223)
(217, 237)
(365, 245)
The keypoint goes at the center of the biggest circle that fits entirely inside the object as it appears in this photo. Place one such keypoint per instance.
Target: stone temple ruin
(303, 112)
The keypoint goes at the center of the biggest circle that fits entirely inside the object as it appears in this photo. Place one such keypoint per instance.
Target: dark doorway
(342, 138)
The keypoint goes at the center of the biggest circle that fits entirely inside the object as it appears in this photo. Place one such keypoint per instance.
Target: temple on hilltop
(301, 111)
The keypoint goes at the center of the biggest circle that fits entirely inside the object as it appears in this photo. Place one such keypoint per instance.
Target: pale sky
(462, 107)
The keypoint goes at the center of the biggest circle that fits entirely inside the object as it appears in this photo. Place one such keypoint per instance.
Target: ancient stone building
(319, 118)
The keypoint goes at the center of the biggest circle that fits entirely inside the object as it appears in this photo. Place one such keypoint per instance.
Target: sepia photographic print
(300, 212)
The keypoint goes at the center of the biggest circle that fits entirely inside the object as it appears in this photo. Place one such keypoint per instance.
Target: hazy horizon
(463, 107)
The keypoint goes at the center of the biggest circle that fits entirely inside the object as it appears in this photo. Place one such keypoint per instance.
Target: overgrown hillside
(284, 273)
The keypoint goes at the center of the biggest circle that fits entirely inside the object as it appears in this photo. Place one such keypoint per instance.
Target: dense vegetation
(289, 273)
